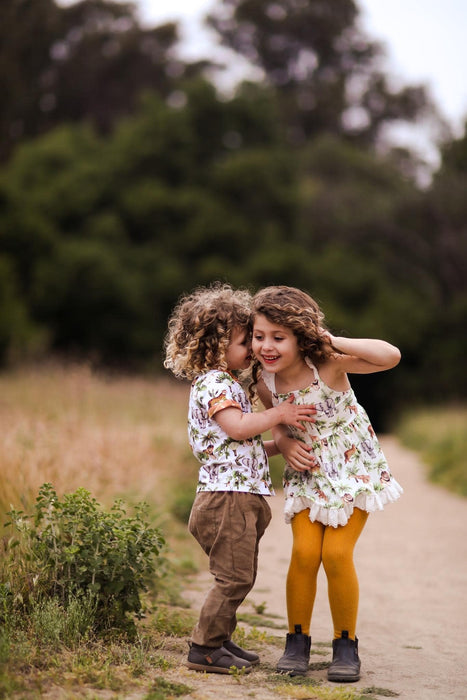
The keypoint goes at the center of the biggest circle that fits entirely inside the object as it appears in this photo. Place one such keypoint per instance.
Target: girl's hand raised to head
(294, 414)
(328, 339)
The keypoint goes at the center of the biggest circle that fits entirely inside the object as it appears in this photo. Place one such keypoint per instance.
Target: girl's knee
(305, 555)
(307, 541)
(337, 560)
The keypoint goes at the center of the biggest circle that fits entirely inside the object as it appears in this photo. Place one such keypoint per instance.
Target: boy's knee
(237, 589)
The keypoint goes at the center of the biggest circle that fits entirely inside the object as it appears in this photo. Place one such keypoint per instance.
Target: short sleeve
(220, 394)
(218, 403)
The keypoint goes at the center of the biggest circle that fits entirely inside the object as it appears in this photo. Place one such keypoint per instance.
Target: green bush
(71, 549)
(439, 435)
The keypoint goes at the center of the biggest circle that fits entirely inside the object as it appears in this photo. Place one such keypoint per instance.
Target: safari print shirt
(226, 464)
(349, 468)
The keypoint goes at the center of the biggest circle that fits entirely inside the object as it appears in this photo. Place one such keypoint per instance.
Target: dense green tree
(91, 300)
(88, 61)
(23, 61)
(441, 222)
(19, 335)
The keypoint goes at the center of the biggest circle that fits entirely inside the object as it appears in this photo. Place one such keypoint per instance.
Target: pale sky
(425, 41)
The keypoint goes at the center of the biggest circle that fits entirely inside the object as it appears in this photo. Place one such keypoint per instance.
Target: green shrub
(439, 435)
(71, 550)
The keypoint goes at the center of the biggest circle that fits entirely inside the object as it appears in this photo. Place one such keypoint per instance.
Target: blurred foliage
(87, 61)
(439, 434)
(326, 72)
(124, 203)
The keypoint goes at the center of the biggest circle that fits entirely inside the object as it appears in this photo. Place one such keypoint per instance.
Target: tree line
(128, 177)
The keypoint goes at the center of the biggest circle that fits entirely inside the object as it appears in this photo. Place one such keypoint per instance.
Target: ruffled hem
(340, 516)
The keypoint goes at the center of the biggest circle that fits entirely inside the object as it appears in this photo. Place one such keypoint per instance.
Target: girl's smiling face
(275, 346)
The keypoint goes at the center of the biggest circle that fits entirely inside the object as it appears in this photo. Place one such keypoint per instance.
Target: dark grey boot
(296, 655)
(345, 665)
(241, 653)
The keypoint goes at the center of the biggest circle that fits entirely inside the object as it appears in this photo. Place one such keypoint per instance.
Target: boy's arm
(241, 426)
(296, 453)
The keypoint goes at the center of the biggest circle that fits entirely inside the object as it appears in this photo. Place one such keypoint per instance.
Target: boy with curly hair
(209, 343)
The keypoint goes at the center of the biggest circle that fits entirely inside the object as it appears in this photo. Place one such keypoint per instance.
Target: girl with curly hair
(209, 343)
(336, 473)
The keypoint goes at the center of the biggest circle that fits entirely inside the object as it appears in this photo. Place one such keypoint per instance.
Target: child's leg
(343, 591)
(261, 512)
(228, 526)
(303, 570)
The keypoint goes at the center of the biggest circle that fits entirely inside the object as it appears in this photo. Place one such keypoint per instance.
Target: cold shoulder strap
(313, 368)
(269, 380)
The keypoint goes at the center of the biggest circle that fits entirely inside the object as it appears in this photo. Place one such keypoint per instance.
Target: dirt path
(412, 564)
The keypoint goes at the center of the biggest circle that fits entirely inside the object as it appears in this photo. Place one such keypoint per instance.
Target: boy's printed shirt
(226, 464)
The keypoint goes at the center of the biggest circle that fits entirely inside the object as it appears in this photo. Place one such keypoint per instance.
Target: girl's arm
(270, 448)
(363, 355)
(241, 426)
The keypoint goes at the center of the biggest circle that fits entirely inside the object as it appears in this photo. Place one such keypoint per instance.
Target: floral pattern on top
(226, 464)
(349, 468)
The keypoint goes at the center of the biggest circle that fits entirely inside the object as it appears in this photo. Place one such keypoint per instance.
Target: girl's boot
(345, 665)
(296, 655)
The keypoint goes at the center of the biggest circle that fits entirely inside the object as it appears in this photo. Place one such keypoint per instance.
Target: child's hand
(297, 455)
(294, 414)
(328, 339)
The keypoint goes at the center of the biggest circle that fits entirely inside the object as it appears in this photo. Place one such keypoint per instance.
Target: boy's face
(238, 353)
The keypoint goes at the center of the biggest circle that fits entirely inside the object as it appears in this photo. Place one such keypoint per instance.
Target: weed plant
(305, 688)
(55, 624)
(162, 689)
(71, 553)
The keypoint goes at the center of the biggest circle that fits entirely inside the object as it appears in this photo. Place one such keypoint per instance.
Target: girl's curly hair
(296, 310)
(200, 329)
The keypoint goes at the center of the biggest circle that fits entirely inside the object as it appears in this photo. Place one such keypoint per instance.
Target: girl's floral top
(226, 464)
(349, 471)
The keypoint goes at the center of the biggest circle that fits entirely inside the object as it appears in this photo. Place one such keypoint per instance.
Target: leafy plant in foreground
(71, 548)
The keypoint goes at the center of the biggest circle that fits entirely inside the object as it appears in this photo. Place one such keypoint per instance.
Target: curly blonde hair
(296, 310)
(200, 329)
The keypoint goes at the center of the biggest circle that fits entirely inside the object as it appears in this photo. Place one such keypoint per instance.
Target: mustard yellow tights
(314, 543)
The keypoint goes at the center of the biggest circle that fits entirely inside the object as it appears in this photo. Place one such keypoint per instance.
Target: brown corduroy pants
(228, 525)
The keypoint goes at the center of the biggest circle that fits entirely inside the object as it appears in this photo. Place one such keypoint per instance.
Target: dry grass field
(115, 436)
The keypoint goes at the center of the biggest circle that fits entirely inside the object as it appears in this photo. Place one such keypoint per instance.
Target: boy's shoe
(296, 656)
(345, 665)
(215, 660)
(241, 653)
